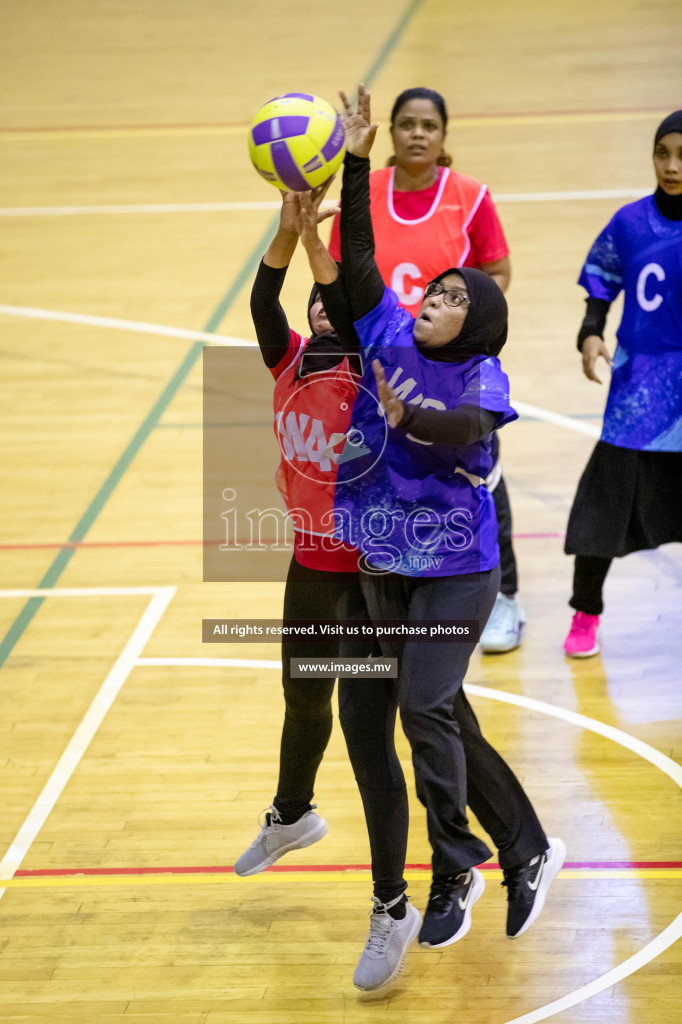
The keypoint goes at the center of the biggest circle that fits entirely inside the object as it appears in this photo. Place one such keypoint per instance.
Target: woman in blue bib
(630, 495)
(410, 495)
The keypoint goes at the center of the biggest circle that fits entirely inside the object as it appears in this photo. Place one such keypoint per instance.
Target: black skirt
(627, 500)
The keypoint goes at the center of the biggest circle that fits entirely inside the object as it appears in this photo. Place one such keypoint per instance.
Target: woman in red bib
(427, 216)
(316, 383)
(315, 387)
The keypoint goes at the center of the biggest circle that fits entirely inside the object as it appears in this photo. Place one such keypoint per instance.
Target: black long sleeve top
(594, 321)
(270, 320)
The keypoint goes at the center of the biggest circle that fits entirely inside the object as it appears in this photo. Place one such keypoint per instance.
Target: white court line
(248, 207)
(660, 942)
(78, 211)
(624, 739)
(212, 662)
(93, 718)
(136, 326)
(556, 418)
(561, 197)
(82, 591)
(221, 339)
(649, 952)
(609, 732)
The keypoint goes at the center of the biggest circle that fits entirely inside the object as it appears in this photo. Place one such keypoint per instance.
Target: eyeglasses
(452, 297)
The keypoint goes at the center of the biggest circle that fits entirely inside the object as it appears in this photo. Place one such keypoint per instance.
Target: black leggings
(589, 574)
(309, 594)
(314, 594)
(509, 583)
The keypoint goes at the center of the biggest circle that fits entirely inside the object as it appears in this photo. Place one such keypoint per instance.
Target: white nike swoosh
(463, 903)
(535, 884)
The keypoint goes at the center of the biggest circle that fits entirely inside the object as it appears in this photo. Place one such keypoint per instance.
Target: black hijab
(324, 351)
(671, 123)
(669, 206)
(484, 331)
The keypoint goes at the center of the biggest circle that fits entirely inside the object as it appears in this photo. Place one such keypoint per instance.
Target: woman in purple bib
(411, 496)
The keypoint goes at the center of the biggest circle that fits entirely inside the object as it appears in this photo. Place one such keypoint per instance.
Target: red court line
(127, 544)
(186, 543)
(537, 536)
(108, 544)
(307, 868)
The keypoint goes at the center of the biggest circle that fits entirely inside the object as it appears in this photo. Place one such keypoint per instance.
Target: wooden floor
(124, 747)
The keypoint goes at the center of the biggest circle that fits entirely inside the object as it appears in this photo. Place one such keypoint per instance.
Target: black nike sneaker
(527, 886)
(448, 914)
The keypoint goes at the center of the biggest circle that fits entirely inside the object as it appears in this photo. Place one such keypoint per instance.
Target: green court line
(151, 421)
(391, 42)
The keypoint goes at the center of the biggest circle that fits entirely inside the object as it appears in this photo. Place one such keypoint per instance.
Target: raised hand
(307, 212)
(283, 245)
(360, 131)
(393, 406)
(287, 216)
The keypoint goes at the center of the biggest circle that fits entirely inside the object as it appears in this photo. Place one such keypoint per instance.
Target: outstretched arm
(363, 280)
(456, 428)
(269, 319)
(307, 218)
(325, 269)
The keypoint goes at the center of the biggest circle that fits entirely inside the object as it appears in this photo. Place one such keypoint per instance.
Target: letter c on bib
(402, 278)
(649, 305)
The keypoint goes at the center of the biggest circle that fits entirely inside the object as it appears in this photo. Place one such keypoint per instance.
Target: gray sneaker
(384, 953)
(276, 839)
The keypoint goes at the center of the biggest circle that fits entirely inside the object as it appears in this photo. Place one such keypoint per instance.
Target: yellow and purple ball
(297, 141)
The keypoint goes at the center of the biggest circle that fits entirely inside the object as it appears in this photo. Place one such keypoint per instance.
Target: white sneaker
(504, 628)
(276, 839)
(384, 953)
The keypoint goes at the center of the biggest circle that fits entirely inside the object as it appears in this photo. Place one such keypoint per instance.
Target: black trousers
(589, 573)
(453, 762)
(509, 582)
(368, 710)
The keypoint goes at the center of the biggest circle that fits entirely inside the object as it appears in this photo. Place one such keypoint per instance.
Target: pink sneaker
(581, 641)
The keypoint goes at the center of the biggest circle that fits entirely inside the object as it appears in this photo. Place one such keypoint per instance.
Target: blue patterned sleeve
(602, 275)
(487, 386)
